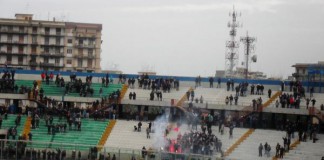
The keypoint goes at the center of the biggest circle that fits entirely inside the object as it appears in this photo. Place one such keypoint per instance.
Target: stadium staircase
(292, 147)
(182, 100)
(247, 110)
(238, 142)
(307, 150)
(27, 127)
(272, 99)
(123, 92)
(248, 149)
(106, 134)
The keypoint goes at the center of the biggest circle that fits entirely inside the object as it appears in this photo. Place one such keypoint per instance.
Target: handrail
(221, 103)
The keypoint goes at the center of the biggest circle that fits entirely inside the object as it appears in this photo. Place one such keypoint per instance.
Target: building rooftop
(318, 64)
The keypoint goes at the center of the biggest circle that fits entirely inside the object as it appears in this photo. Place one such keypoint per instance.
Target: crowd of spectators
(8, 85)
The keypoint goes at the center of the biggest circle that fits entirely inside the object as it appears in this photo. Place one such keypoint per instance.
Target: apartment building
(49, 45)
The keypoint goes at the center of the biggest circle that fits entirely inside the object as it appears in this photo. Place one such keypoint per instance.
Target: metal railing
(52, 54)
(14, 30)
(12, 149)
(85, 45)
(220, 102)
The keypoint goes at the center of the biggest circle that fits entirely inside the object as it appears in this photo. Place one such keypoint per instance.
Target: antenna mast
(248, 49)
(231, 55)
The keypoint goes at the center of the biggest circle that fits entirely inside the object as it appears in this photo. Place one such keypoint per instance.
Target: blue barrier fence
(180, 78)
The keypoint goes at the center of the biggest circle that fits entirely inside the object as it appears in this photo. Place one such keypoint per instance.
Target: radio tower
(248, 50)
(231, 55)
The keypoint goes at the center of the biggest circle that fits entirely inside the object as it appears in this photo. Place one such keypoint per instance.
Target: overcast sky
(187, 37)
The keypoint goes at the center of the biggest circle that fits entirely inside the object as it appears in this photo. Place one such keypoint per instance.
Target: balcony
(13, 42)
(33, 54)
(56, 34)
(33, 63)
(85, 45)
(34, 43)
(13, 53)
(83, 35)
(91, 56)
(48, 54)
(78, 55)
(12, 31)
(55, 65)
(84, 56)
(52, 44)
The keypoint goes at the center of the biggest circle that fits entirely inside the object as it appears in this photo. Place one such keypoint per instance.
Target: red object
(43, 75)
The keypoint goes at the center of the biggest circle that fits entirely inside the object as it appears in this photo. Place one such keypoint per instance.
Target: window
(21, 49)
(69, 61)
(69, 51)
(20, 60)
(80, 51)
(69, 40)
(80, 42)
(47, 30)
(9, 49)
(33, 59)
(10, 28)
(46, 40)
(91, 42)
(90, 52)
(34, 39)
(89, 63)
(57, 49)
(79, 62)
(9, 38)
(21, 38)
(58, 31)
(21, 29)
(34, 30)
(9, 58)
(58, 40)
(33, 49)
(45, 59)
(46, 50)
(57, 61)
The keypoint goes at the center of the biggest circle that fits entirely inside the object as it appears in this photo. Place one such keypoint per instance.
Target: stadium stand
(53, 90)
(249, 148)
(90, 134)
(10, 122)
(307, 150)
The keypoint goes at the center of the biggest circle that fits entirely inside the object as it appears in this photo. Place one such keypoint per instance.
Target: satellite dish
(254, 58)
